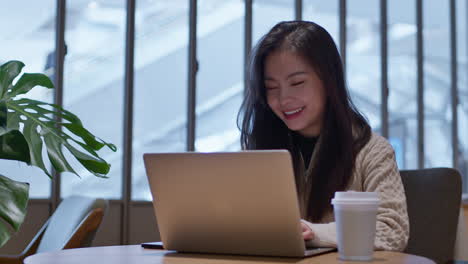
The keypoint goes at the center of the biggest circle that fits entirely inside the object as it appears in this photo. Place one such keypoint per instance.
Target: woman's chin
(294, 127)
(306, 132)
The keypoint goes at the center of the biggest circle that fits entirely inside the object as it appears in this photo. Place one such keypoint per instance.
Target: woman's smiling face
(294, 92)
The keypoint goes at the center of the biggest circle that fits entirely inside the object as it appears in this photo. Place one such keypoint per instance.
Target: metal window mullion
(342, 29)
(465, 178)
(247, 39)
(298, 10)
(192, 71)
(128, 120)
(58, 82)
(453, 81)
(420, 81)
(384, 67)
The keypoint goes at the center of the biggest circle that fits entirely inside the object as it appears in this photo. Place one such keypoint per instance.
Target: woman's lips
(293, 113)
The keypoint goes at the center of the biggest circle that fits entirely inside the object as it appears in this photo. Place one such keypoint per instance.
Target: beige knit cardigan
(375, 171)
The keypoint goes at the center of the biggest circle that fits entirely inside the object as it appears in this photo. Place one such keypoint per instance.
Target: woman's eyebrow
(268, 78)
(295, 74)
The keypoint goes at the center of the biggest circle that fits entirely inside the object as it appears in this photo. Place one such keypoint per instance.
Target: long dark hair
(344, 130)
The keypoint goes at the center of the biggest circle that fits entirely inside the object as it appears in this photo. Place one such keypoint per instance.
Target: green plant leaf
(4, 234)
(8, 73)
(26, 126)
(54, 150)
(13, 146)
(88, 138)
(95, 165)
(14, 197)
(3, 117)
(39, 126)
(35, 146)
(28, 81)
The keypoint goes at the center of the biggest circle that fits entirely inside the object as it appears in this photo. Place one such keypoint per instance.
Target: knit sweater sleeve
(378, 172)
(381, 175)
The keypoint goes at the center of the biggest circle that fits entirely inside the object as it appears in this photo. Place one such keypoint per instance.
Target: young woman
(297, 100)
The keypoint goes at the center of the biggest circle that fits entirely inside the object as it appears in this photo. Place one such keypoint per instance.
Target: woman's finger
(307, 233)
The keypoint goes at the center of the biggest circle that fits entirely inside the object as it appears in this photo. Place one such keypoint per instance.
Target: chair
(73, 224)
(433, 198)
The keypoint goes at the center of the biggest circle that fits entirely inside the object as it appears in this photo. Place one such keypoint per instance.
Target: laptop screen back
(235, 203)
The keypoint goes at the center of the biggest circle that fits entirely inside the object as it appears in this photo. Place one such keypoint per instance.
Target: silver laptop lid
(234, 203)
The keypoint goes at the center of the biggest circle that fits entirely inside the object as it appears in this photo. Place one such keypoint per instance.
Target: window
(462, 7)
(160, 97)
(93, 87)
(402, 82)
(324, 13)
(220, 85)
(94, 76)
(267, 13)
(29, 36)
(437, 95)
(363, 58)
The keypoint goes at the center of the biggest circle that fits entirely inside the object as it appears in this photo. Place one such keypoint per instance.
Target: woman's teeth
(294, 111)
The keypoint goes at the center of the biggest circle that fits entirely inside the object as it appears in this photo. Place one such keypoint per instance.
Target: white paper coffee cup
(355, 217)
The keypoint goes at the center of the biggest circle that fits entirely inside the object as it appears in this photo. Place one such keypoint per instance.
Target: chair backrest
(433, 197)
(73, 224)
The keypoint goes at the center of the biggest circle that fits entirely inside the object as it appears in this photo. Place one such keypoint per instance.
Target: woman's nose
(285, 96)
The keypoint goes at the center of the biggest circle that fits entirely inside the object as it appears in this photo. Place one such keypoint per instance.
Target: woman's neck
(306, 145)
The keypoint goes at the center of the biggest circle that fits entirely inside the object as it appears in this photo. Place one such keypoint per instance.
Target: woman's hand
(307, 233)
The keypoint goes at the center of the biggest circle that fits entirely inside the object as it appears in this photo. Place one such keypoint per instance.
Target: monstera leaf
(27, 125)
(14, 199)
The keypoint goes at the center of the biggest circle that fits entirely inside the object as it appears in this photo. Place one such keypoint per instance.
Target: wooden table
(136, 254)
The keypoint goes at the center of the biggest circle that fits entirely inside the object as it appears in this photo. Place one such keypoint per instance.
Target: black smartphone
(153, 245)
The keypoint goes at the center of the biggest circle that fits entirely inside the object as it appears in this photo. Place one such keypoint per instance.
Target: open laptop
(227, 203)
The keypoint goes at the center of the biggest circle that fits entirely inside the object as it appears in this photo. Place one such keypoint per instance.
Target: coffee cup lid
(352, 197)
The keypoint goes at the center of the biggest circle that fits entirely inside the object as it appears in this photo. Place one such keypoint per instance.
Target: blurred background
(94, 88)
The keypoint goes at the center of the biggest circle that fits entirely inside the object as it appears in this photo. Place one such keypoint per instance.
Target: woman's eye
(271, 88)
(297, 83)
